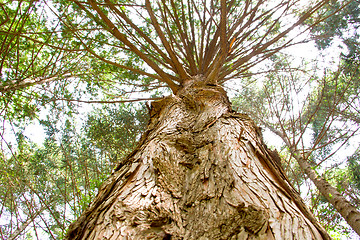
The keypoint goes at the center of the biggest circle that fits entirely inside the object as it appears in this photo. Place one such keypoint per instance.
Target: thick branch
(180, 70)
(116, 33)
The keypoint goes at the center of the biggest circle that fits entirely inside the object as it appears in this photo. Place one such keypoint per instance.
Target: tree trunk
(332, 195)
(200, 171)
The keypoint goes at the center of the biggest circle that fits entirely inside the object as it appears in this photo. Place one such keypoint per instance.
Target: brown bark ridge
(200, 171)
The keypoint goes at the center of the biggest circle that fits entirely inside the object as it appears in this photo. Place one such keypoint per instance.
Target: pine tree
(200, 171)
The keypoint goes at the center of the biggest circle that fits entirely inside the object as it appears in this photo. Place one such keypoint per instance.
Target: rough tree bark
(201, 171)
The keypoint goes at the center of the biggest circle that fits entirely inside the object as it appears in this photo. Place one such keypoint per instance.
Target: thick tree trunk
(200, 172)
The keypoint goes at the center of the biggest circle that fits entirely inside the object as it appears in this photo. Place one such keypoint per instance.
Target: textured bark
(201, 171)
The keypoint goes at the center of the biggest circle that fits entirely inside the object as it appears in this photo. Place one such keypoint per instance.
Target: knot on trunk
(255, 220)
(197, 105)
(198, 95)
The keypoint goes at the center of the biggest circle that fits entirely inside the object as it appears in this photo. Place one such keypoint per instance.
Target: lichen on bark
(200, 171)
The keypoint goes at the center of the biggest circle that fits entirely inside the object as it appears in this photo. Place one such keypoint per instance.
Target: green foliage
(51, 51)
(54, 183)
(333, 109)
(354, 171)
(115, 129)
(329, 217)
(342, 24)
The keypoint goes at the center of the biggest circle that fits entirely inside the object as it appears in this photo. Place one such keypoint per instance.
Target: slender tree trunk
(201, 171)
(332, 195)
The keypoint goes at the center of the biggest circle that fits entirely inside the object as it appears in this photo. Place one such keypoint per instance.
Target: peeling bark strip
(200, 172)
